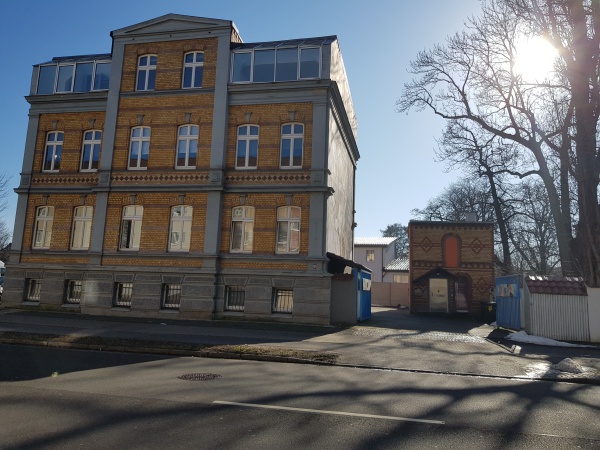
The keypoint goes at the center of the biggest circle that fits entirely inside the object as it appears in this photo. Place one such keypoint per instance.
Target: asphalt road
(54, 398)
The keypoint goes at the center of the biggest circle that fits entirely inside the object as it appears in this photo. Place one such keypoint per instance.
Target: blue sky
(378, 38)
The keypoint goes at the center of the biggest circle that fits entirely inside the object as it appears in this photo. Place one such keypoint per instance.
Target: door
(438, 295)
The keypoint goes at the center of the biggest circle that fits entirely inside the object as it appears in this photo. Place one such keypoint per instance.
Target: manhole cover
(199, 376)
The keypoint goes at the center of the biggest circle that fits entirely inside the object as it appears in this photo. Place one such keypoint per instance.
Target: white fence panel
(561, 317)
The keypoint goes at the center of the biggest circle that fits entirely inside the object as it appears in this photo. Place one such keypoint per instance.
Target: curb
(280, 359)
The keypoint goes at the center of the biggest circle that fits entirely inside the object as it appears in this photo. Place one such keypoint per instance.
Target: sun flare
(535, 58)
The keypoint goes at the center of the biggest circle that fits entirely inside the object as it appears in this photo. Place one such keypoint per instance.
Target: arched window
(82, 228)
(90, 151)
(247, 147)
(131, 227)
(193, 68)
(181, 228)
(146, 73)
(242, 229)
(292, 141)
(53, 152)
(42, 234)
(451, 251)
(187, 147)
(139, 148)
(288, 229)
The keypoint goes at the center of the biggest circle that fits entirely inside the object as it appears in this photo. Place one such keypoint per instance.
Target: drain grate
(199, 376)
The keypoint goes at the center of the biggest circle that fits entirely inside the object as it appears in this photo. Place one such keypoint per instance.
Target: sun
(535, 59)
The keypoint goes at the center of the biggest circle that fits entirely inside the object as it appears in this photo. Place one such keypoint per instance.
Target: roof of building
(323, 40)
(556, 285)
(373, 241)
(400, 264)
(78, 58)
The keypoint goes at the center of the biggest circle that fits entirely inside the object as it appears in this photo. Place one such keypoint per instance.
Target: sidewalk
(392, 339)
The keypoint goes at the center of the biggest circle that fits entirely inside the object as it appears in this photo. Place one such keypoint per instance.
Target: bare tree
(472, 78)
(5, 233)
(399, 231)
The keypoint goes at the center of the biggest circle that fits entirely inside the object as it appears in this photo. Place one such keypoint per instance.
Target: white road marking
(335, 413)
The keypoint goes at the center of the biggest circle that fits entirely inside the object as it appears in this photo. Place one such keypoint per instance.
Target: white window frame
(56, 86)
(92, 143)
(82, 227)
(400, 278)
(140, 140)
(292, 137)
(242, 220)
(180, 230)
(194, 66)
(131, 223)
(187, 140)
(370, 255)
(42, 233)
(146, 68)
(290, 216)
(56, 148)
(246, 139)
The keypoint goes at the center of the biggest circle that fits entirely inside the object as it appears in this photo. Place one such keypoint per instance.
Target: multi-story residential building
(188, 173)
(375, 253)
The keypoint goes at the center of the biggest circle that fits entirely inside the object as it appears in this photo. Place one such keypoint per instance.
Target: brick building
(451, 266)
(186, 173)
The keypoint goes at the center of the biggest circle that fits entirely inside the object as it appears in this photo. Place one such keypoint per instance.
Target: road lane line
(335, 413)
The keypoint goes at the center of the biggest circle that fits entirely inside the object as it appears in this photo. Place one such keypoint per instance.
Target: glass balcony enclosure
(74, 74)
(269, 62)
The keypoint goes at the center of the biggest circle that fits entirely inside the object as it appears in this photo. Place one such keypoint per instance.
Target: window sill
(168, 311)
(185, 167)
(70, 306)
(120, 308)
(30, 303)
(137, 168)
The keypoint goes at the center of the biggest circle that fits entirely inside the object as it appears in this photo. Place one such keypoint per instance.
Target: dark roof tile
(556, 285)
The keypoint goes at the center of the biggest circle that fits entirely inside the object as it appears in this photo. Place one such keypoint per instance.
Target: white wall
(594, 313)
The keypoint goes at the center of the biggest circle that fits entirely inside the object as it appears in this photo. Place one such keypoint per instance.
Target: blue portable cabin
(508, 302)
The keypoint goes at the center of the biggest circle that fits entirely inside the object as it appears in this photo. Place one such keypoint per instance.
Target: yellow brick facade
(475, 261)
(212, 188)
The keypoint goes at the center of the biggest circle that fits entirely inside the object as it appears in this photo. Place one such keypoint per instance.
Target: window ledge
(120, 308)
(30, 303)
(70, 306)
(168, 311)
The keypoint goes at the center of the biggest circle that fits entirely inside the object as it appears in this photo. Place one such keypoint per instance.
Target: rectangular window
(83, 77)
(187, 147)
(242, 67)
(370, 255)
(287, 65)
(82, 228)
(310, 62)
(247, 147)
(264, 66)
(283, 301)
(33, 289)
(171, 296)
(53, 151)
(46, 80)
(90, 152)
(131, 227)
(139, 148)
(65, 78)
(42, 233)
(73, 291)
(122, 295)
(400, 278)
(101, 76)
(234, 298)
